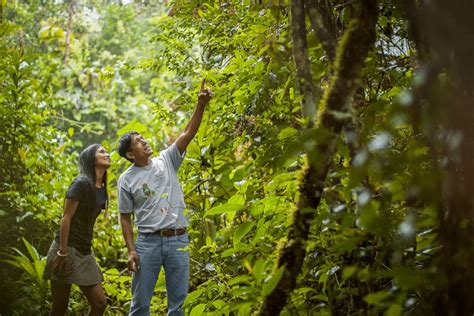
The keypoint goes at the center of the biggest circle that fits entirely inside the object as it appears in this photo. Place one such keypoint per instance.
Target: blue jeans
(155, 251)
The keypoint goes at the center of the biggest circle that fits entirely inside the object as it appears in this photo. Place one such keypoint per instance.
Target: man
(150, 188)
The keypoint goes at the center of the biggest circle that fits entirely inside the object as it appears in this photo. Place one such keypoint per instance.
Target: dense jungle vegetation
(333, 173)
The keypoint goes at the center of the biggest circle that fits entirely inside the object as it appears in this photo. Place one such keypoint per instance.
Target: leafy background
(73, 73)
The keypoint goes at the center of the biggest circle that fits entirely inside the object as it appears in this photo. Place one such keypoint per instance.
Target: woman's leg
(96, 297)
(60, 293)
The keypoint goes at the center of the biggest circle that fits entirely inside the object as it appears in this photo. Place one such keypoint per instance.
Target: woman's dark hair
(87, 167)
(125, 144)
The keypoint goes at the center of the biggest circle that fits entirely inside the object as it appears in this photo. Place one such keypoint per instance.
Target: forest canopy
(333, 172)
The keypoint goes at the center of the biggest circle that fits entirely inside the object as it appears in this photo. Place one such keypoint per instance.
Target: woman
(70, 259)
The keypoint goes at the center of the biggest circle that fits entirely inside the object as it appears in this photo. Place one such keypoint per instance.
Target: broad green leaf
(409, 278)
(242, 230)
(305, 290)
(376, 298)
(321, 297)
(245, 310)
(198, 310)
(348, 272)
(191, 297)
(258, 269)
(113, 271)
(239, 279)
(228, 252)
(237, 199)
(287, 132)
(323, 278)
(132, 126)
(259, 67)
(347, 245)
(346, 14)
(219, 304)
(281, 180)
(31, 250)
(224, 208)
(271, 284)
(394, 310)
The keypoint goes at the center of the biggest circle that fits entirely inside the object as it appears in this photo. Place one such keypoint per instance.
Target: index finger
(203, 83)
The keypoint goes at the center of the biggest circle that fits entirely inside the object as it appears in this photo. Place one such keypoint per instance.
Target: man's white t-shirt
(154, 193)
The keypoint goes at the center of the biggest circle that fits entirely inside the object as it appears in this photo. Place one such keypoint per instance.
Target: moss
(352, 51)
(350, 55)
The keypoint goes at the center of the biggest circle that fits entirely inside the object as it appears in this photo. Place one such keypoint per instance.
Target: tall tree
(333, 116)
(442, 31)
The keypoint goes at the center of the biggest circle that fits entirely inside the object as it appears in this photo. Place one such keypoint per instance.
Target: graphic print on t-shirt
(146, 191)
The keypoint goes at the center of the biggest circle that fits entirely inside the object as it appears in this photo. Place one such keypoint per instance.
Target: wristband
(61, 255)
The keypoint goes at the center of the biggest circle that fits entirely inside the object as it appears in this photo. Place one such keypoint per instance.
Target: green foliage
(364, 222)
(133, 67)
(117, 286)
(48, 115)
(34, 162)
(34, 296)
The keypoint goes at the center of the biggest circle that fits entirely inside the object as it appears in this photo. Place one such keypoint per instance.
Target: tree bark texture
(353, 49)
(322, 22)
(303, 65)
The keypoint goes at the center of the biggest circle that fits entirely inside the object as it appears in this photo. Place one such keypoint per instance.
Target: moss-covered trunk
(334, 109)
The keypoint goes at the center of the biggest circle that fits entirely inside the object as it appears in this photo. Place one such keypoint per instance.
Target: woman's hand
(59, 265)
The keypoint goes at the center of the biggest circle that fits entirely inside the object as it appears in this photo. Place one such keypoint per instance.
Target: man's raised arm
(192, 127)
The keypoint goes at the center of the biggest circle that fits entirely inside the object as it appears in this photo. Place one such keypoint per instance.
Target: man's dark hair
(125, 144)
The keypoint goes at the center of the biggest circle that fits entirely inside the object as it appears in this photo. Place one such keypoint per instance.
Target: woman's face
(102, 158)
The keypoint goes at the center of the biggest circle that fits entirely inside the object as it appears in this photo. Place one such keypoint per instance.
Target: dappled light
(331, 173)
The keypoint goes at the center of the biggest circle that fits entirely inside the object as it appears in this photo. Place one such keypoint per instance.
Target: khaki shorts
(80, 269)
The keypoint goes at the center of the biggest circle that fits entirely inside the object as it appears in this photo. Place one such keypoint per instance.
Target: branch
(322, 22)
(352, 52)
(302, 62)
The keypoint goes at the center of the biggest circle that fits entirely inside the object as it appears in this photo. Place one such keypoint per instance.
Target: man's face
(140, 148)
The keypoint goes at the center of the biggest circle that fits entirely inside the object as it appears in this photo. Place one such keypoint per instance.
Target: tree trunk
(443, 34)
(354, 47)
(449, 30)
(302, 62)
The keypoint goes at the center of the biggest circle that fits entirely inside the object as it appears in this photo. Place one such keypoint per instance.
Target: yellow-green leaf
(22, 154)
(198, 310)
